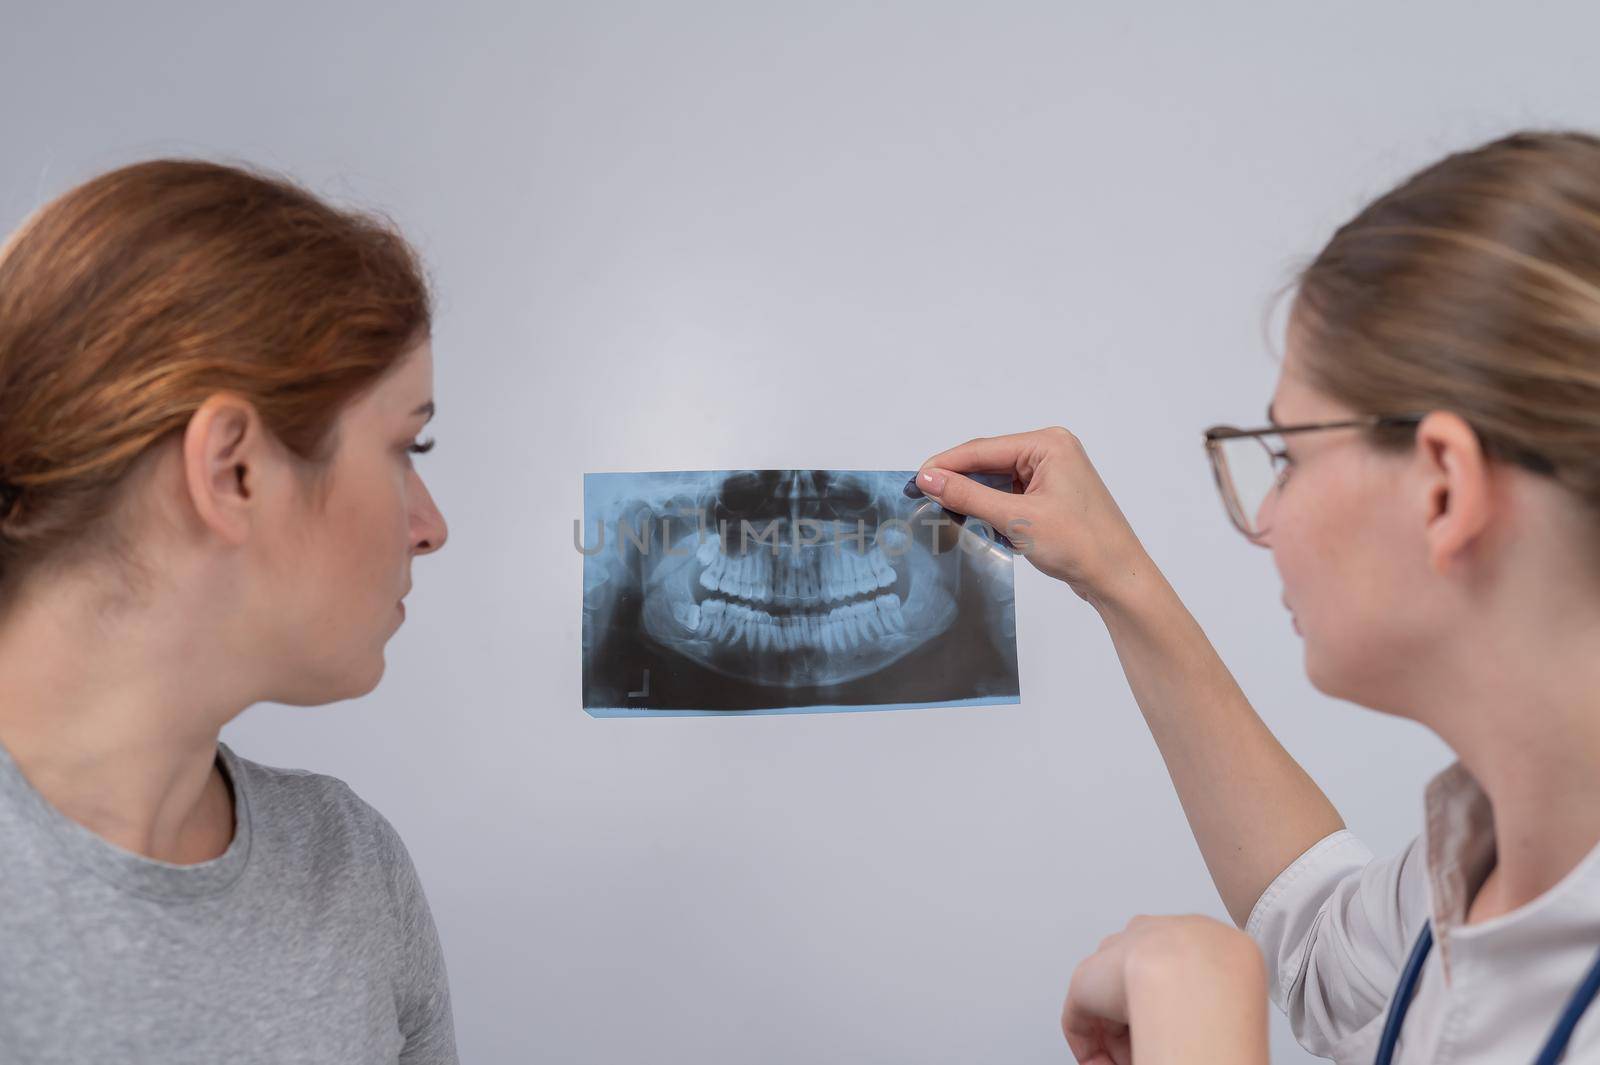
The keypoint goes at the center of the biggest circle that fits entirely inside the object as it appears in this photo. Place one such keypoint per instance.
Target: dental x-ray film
(789, 591)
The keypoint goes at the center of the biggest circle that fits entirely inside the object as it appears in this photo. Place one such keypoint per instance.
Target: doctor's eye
(422, 448)
(1283, 464)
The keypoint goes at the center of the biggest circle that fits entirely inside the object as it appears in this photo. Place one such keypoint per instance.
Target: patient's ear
(1456, 479)
(224, 461)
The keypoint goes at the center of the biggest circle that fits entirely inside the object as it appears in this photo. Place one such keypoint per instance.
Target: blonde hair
(1473, 286)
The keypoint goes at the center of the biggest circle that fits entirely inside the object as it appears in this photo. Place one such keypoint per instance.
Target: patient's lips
(826, 596)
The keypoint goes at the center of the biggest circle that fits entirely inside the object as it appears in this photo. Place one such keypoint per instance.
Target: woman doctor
(1429, 488)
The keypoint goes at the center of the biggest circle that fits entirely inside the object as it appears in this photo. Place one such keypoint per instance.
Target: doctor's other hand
(1062, 518)
(1185, 989)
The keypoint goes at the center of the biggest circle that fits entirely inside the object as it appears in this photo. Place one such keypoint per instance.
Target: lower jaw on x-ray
(787, 591)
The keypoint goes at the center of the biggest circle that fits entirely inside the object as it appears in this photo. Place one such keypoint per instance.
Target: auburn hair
(1473, 286)
(131, 298)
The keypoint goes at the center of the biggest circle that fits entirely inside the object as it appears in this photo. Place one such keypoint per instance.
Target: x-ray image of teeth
(788, 591)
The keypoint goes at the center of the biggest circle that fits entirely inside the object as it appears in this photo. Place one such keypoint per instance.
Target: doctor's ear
(1458, 482)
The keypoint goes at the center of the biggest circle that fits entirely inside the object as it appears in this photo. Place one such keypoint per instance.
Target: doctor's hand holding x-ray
(1201, 978)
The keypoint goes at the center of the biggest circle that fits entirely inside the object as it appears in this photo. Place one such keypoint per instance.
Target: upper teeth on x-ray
(787, 590)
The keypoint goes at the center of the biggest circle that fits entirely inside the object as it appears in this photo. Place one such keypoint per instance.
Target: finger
(1086, 1046)
(966, 496)
(1094, 1039)
(1116, 1045)
(1121, 1047)
(1083, 1015)
(1109, 1045)
(1014, 453)
(1096, 992)
(1089, 1048)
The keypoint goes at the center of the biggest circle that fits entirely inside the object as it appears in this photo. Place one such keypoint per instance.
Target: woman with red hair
(210, 386)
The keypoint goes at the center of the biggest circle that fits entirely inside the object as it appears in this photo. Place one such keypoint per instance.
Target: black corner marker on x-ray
(913, 492)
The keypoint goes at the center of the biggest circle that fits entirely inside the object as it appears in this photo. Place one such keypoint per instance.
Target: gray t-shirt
(308, 941)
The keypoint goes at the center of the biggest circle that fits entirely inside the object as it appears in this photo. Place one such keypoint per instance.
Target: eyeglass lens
(1250, 472)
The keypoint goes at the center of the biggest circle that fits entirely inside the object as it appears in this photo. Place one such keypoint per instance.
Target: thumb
(966, 496)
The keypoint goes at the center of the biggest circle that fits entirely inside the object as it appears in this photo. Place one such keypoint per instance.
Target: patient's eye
(422, 448)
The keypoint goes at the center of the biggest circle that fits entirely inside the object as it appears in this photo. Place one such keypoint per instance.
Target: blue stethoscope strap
(1402, 995)
(1581, 998)
(1554, 1047)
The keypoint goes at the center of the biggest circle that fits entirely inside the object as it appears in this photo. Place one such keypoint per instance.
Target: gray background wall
(700, 236)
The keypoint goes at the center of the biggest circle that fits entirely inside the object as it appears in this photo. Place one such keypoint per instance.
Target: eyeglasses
(1250, 464)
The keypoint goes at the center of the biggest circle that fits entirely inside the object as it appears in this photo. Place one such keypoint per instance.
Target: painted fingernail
(931, 481)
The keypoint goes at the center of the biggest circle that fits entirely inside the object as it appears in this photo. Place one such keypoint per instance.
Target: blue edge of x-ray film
(627, 711)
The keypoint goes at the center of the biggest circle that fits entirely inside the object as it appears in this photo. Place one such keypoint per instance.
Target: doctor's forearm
(1251, 807)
